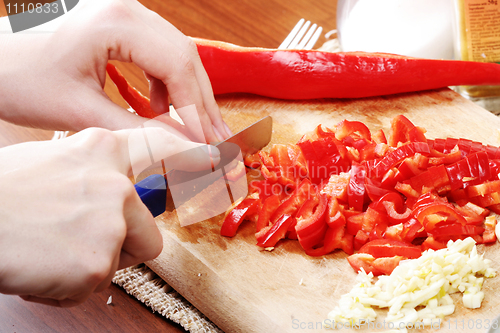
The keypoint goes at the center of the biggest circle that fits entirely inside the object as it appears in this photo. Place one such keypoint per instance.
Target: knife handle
(153, 193)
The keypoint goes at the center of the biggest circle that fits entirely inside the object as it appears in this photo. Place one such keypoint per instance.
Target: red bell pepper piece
(489, 235)
(302, 74)
(403, 130)
(472, 170)
(431, 243)
(236, 216)
(335, 238)
(398, 155)
(346, 128)
(311, 224)
(456, 229)
(132, 96)
(323, 159)
(268, 208)
(434, 178)
(389, 248)
(283, 166)
(376, 266)
(291, 204)
(437, 213)
(268, 237)
(335, 216)
(356, 189)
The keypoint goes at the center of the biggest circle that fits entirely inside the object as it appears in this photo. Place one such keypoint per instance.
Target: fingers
(148, 145)
(177, 65)
(143, 241)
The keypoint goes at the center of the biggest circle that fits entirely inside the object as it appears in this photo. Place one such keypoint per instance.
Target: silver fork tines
(296, 38)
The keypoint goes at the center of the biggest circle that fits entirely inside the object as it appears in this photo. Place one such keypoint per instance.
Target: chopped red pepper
(311, 224)
(268, 237)
(430, 192)
(236, 216)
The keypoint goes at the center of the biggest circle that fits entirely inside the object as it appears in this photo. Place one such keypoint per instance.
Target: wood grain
(244, 289)
(250, 23)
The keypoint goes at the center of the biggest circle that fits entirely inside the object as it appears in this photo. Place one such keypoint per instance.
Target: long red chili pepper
(132, 96)
(301, 74)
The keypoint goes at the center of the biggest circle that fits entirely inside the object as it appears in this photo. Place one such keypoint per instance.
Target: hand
(70, 216)
(55, 80)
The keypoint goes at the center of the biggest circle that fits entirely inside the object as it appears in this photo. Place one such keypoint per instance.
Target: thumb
(149, 144)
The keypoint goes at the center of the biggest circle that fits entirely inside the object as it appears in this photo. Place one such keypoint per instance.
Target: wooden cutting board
(244, 289)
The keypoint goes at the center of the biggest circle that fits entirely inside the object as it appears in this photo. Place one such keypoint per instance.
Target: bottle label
(482, 22)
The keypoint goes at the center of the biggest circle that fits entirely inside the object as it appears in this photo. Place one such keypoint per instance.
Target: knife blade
(153, 189)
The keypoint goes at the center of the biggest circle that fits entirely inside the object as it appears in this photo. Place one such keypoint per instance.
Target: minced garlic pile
(426, 282)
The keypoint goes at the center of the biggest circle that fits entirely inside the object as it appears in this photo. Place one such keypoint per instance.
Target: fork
(296, 38)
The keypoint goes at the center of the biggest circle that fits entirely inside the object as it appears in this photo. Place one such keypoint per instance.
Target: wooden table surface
(263, 23)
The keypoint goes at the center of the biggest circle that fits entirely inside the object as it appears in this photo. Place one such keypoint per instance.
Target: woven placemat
(142, 283)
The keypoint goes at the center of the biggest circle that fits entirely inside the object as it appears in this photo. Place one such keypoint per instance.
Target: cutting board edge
(185, 266)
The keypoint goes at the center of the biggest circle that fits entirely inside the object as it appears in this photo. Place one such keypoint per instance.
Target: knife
(153, 189)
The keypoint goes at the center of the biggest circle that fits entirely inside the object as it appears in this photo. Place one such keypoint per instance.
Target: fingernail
(228, 130)
(214, 155)
(217, 133)
(213, 151)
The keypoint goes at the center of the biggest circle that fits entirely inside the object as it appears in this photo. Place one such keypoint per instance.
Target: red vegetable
(132, 96)
(269, 236)
(311, 224)
(389, 248)
(301, 74)
(237, 215)
(386, 202)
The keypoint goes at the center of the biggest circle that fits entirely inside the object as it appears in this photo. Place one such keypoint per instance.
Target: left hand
(55, 81)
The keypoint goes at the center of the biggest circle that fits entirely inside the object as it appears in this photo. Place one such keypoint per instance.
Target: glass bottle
(477, 38)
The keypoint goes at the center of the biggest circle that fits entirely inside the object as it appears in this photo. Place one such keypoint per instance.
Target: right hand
(70, 216)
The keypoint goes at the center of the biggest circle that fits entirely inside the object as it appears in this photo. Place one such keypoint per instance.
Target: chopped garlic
(425, 282)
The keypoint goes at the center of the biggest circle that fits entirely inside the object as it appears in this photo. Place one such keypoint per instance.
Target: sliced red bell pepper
(402, 129)
(311, 224)
(431, 243)
(236, 216)
(435, 178)
(437, 212)
(290, 205)
(356, 189)
(346, 128)
(489, 235)
(272, 235)
(323, 159)
(268, 169)
(389, 248)
(456, 229)
(398, 155)
(299, 163)
(472, 170)
(335, 215)
(283, 165)
(335, 238)
(269, 206)
(376, 266)
(392, 204)
(337, 186)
